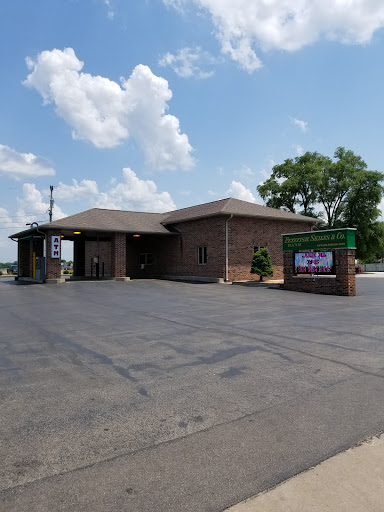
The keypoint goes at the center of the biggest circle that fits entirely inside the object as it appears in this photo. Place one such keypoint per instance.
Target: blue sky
(151, 105)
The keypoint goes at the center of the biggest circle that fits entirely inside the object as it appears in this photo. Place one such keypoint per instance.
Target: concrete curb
(350, 481)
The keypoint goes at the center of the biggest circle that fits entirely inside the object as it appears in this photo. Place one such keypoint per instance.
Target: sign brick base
(342, 283)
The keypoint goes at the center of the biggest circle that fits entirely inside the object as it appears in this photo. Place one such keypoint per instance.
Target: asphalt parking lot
(160, 396)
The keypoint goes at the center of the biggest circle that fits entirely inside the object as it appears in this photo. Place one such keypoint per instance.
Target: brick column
(288, 269)
(53, 264)
(345, 272)
(119, 256)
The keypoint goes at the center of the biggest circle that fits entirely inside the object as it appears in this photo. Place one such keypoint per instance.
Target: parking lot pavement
(351, 480)
(161, 396)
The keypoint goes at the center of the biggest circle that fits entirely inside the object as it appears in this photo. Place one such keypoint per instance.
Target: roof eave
(302, 218)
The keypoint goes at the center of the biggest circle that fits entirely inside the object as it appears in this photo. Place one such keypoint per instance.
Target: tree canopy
(341, 191)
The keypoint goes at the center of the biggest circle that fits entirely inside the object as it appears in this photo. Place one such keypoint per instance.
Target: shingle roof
(232, 206)
(97, 219)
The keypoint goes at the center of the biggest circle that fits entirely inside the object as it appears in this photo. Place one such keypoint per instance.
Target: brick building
(212, 241)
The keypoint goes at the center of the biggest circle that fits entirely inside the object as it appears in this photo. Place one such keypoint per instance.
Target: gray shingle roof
(233, 206)
(113, 220)
(100, 220)
(97, 219)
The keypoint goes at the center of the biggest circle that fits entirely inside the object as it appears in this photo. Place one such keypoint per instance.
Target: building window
(202, 255)
(145, 258)
(257, 248)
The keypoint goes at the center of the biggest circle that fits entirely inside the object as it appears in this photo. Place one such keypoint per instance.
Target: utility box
(40, 268)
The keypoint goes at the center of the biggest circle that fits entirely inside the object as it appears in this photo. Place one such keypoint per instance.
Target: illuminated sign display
(314, 263)
(55, 246)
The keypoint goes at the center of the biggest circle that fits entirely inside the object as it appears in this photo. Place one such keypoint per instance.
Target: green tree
(262, 264)
(293, 185)
(342, 191)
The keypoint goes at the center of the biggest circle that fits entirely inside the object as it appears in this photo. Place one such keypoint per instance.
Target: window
(202, 255)
(257, 248)
(146, 258)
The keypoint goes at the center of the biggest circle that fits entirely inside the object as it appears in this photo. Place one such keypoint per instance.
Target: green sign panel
(320, 240)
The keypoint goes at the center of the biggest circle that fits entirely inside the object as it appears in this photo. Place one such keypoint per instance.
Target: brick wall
(178, 255)
(344, 283)
(101, 249)
(159, 246)
(181, 253)
(245, 232)
(118, 255)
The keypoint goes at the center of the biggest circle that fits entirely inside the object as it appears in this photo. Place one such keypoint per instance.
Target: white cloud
(266, 173)
(135, 194)
(110, 13)
(186, 63)
(244, 172)
(303, 125)
(244, 25)
(106, 114)
(30, 207)
(86, 188)
(33, 207)
(130, 194)
(381, 208)
(176, 4)
(299, 150)
(239, 191)
(20, 165)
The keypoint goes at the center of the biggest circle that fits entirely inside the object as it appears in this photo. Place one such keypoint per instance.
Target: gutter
(226, 246)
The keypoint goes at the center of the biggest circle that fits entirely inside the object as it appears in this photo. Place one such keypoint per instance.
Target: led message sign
(314, 262)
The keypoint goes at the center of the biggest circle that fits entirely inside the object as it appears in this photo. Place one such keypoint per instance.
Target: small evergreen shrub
(262, 264)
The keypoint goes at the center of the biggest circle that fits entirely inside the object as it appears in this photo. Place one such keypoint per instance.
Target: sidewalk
(351, 481)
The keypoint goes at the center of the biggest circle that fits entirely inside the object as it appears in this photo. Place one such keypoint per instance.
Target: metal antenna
(51, 203)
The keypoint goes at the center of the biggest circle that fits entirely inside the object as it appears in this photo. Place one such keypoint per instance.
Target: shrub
(66, 272)
(262, 264)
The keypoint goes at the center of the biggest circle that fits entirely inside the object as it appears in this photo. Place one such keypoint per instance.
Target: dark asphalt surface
(175, 397)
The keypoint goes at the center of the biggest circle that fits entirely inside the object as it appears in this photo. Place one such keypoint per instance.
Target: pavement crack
(239, 332)
(154, 446)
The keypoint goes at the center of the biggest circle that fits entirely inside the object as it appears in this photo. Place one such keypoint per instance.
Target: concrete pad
(55, 281)
(353, 480)
(121, 278)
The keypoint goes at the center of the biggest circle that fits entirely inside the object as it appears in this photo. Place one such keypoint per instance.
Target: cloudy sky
(151, 105)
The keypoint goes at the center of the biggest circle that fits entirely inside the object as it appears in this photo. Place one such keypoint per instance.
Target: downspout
(226, 246)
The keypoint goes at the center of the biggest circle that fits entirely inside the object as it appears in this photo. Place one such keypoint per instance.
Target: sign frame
(320, 241)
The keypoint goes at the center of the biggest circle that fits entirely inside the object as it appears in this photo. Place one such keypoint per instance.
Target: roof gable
(232, 206)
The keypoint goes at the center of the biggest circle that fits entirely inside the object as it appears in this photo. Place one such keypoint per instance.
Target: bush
(66, 272)
(262, 264)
